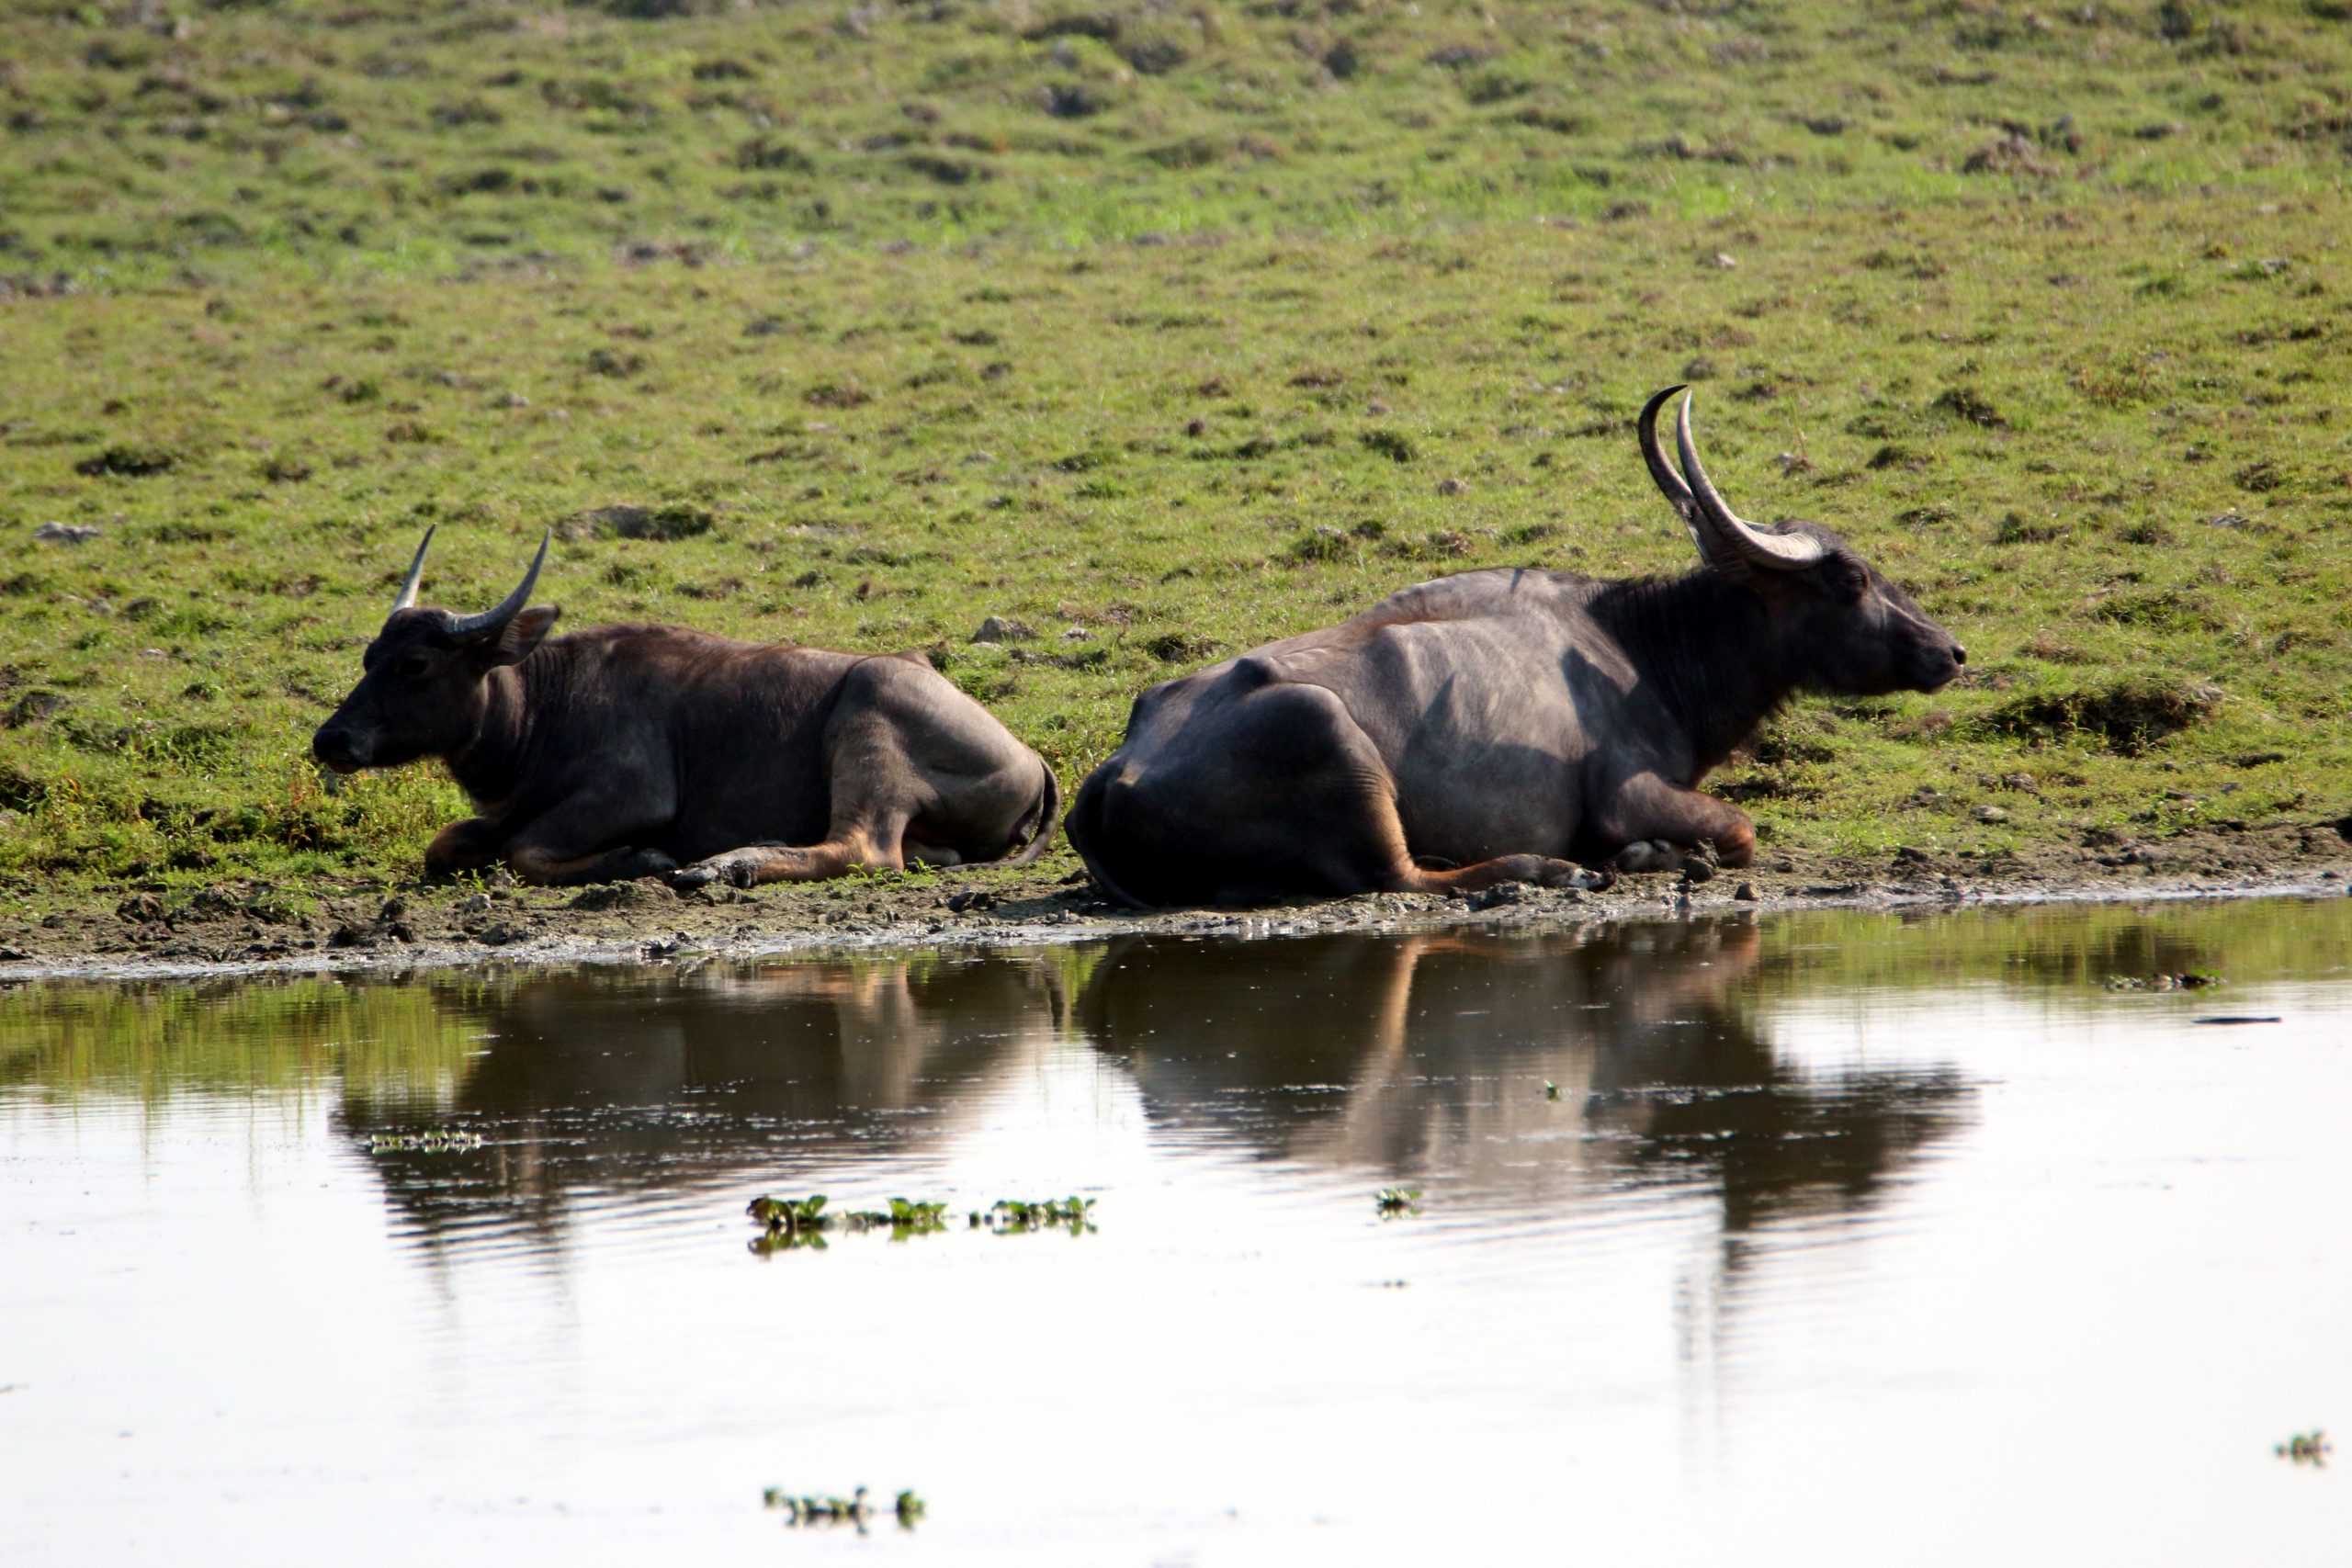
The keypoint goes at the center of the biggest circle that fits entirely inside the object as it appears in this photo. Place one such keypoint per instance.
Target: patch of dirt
(133, 933)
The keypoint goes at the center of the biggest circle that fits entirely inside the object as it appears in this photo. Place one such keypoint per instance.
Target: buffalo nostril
(1959, 654)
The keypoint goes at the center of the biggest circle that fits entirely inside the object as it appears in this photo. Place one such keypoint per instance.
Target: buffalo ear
(518, 637)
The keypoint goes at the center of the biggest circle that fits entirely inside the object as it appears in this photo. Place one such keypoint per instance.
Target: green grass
(2048, 317)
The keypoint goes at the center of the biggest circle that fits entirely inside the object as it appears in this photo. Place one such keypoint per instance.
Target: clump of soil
(2129, 716)
(662, 524)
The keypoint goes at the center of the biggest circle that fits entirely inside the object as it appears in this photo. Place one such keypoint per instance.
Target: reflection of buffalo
(605, 1079)
(1428, 1054)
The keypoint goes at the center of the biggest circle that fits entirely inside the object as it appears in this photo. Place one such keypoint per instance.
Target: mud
(236, 927)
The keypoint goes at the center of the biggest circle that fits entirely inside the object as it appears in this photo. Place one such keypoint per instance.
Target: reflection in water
(1429, 1054)
(610, 1081)
(1415, 1057)
(1831, 1213)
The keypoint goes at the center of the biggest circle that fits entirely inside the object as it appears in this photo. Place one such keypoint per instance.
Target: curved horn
(1774, 552)
(409, 584)
(1660, 469)
(491, 621)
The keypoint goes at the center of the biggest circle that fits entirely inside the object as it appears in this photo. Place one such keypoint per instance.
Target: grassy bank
(1164, 330)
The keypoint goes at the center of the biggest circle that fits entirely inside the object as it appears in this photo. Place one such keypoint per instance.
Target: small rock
(1745, 893)
(1076, 634)
(1720, 262)
(502, 933)
(1450, 487)
(1990, 813)
(66, 533)
(1696, 870)
(1003, 629)
(478, 904)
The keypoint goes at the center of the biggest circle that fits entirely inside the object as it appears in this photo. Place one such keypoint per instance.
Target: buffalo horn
(416, 578)
(1774, 552)
(1660, 469)
(491, 621)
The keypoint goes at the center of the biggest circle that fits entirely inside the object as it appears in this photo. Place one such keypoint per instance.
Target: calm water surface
(1848, 1239)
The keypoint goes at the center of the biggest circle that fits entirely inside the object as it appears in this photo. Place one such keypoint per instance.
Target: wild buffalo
(1499, 725)
(636, 750)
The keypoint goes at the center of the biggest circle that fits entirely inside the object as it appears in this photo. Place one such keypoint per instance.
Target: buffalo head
(423, 693)
(1842, 627)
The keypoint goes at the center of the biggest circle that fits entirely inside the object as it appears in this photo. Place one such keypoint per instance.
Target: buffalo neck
(491, 767)
(1704, 643)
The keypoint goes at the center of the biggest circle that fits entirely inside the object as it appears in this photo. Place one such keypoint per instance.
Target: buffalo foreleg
(1661, 825)
(586, 837)
(464, 846)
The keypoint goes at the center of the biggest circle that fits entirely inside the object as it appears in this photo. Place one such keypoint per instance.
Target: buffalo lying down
(1499, 725)
(627, 752)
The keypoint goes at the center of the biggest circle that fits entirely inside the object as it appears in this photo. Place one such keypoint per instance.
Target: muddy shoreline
(241, 928)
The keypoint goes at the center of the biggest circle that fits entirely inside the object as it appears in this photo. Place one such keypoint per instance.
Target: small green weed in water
(2188, 980)
(791, 1223)
(438, 1140)
(1009, 1216)
(1551, 1090)
(2309, 1448)
(801, 1510)
(1395, 1201)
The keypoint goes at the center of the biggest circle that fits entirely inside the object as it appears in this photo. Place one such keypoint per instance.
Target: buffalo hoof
(736, 870)
(1645, 855)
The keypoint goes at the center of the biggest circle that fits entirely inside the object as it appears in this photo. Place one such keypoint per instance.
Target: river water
(1837, 1237)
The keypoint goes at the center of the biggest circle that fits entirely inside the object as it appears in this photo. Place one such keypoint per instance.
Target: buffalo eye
(1845, 579)
(413, 667)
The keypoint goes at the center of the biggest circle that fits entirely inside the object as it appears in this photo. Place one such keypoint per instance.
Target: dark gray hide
(627, 752)
(1499, 725)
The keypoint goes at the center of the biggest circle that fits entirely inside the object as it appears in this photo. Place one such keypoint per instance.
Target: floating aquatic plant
(1395, 1201)
(2188, 980)
(2309, 1448)
(1008, 1216)
(439, 1140)
(820, 1508)
(790, 1223)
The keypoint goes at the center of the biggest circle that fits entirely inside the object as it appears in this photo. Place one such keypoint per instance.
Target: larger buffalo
(635, 750)
(1499, 725)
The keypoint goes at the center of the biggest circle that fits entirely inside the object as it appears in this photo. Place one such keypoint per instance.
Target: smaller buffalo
(637, 750)
(1499, 725)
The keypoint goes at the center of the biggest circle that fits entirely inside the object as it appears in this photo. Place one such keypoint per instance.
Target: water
(1848, 1237)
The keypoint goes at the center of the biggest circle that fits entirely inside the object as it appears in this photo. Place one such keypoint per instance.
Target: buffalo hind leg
(1541, 870)
(1320, 801)
(857, 849)
(1661, 826)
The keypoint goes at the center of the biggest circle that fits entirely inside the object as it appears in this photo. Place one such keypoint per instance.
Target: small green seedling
(1551, 1090)
(2309, 1448)
(1395, 1201)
